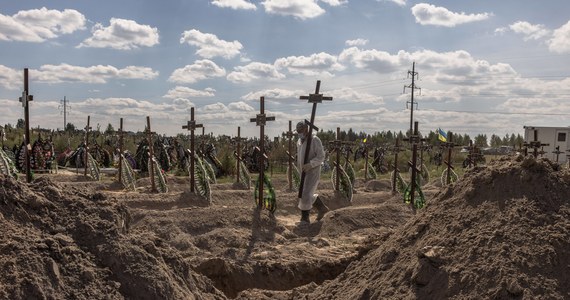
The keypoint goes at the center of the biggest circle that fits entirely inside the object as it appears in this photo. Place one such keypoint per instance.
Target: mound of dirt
(501, 232)
(60, 242)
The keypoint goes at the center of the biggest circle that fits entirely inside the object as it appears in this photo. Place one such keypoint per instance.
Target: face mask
(301, 136)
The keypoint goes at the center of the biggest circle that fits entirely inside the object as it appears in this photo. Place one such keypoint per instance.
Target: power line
(500, 112)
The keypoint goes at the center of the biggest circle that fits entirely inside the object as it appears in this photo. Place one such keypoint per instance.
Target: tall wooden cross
(396, 149)
(191, 126)
(289, 135)
(121, 132)
(87, 129)
(315, 98)
(25, 99)
(149, 133)
(449, 145)
(415, 140)
(260, 121)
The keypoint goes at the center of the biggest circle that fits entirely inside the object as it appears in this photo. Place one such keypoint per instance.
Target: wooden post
(290, 156)
(260, 121)
(397, 149)
(120, 149)
(365, 160)
(87, 129)
(337, 146)
(315, 99)
(150, 155)
(449, 145)
(414, 140)
(557, 152)
(25, 99)
(191, 126)
(238, 154)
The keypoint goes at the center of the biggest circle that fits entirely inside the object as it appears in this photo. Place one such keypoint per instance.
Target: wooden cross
(474, 154)
(260, 121)
(365, 160)
(289, 134)
(121, 132)
(315, 98)
(237, 154)
(191, 126)
(2, 136)
(449, 145)
(149, 133)
(336, 146)
(415, 140)
(535, 144)
(25, 99)
(557, 152)
(87, 129)
(396, 149)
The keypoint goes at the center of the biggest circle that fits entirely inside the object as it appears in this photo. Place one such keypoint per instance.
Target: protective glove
(307, 167)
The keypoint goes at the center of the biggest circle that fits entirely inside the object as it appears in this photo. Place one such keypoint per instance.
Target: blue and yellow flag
(441, 135)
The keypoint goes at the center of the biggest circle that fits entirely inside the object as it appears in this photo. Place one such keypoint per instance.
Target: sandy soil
(502, 232)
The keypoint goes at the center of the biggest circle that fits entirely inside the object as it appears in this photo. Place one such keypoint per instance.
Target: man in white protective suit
(312, 171)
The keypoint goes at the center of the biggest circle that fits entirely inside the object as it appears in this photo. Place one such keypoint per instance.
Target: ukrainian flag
(441, 135)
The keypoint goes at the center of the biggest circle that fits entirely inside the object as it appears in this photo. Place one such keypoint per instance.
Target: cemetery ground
(501, 231)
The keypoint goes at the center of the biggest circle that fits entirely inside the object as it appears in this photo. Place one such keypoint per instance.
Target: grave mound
(501, 232)
(60, 242)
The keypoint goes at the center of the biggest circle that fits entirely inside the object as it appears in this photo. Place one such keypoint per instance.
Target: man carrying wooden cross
(312, 171)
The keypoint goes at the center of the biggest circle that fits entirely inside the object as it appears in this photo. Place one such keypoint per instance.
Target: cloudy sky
(483, 66)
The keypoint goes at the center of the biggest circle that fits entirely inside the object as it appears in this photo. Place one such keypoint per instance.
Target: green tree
(481, 140)
(69, 127)
(110, 129)
(495, 141)
(21, 123)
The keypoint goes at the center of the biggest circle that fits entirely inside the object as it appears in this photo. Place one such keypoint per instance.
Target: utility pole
(64, 105)
(413, 87)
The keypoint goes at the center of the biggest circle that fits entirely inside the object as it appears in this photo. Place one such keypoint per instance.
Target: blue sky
(484, 66)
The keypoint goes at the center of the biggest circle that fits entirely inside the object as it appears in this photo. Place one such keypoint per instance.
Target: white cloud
(234, 4)
(186, 92)
(501, 30)
(316, 64)
(560, 42)
(300, 9)
(530, 31)
(254, 70)
(356, 42)
(94, 74)
(200, 70)
(399, 2)
(11, 78)
(209, 45)
(334, 2)
(122, 34)
(273, 94)
(347, 94)
(428, 14)
(37, 25)
(240, 106)
(374, 60)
